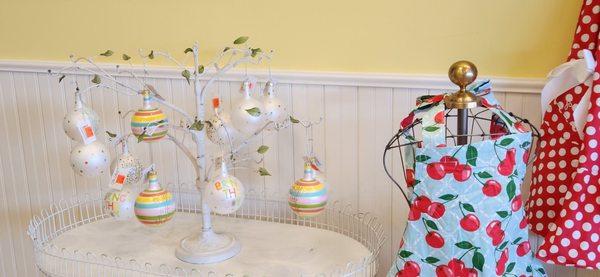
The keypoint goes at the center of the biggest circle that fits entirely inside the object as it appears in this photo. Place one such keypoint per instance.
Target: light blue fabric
(464, 198)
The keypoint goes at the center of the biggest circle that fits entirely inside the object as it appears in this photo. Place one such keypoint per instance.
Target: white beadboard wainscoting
(361, 112)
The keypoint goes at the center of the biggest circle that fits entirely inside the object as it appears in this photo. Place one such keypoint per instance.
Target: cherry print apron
(564, 206)
(466, 216)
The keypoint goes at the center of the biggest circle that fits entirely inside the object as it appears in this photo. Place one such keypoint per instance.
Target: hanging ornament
(219, 129)
(154, 206)
(308, 196)
(149, 122)
(90, 160)
(126, 169)
(274, 109)
(119, 203)
(82, 123)
(225, 194)
(247, 114)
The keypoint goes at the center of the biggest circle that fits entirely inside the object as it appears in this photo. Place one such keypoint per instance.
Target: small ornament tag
(118, 179)
(87, 131)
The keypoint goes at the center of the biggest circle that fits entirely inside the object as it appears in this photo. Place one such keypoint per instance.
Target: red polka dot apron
(466, 216)
(564, 204)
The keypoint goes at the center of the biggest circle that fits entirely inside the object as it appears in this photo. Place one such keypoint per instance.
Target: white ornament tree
(208, 246)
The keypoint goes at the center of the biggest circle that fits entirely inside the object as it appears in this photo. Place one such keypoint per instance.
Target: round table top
(268, 248)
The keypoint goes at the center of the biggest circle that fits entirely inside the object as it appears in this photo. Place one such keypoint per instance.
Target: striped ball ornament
(149, 121)
(308, 196)
(154, 206)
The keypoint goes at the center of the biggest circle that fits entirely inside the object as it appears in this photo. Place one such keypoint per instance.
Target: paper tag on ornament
(151, 129)
(147, 170)
(118, 179)
(86, 131)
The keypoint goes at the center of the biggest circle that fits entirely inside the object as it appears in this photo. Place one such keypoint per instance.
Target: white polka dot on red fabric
(594, 237)
(578, 216)
(576, 234)
(573, 253)
(553, 249)
(590, 130)
(586, 226)
(589, 208)
(542, 253)
(565, 242)
(577, 187)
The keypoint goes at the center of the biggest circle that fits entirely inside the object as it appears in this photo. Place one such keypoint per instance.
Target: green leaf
(468, 207)
(240, 40)
(502, 246)
(254, 112)
(528, 269)
(107, 53)
(510, 267)
(404, 254)
(226, 48)
(472, 155)
(110, 134)
(422, 158)
(263, 172)
(61, 78)
(431, 260)
(478, 261)
(517, 240)
(432, 128)
(151, 55)
(484, 175)
(464, 245)
(262, 149)
(506, 141)
(525, 144)
(140, 138)
(255, 51)
(294, 120)
(187, 50)
(511, 189)
(96, 80)
(197, 125)
(186, 74)
(431, 224)
(502, 214)
(125, 57)
(448, 197)
(200, 69)
(541, 270)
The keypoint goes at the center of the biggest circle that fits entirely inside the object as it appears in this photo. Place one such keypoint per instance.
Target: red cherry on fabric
(526, 157)
(498, 238)
(491, 188)
(434, 239)
(439, 117)
(520, 127)
(503, 256)
(493, 226)
(400, 273)
(470, 222)
(471, 272)
(449, 163)
(523, 248)
(436, 210)
(510, 155)
(505, 168)
(435, 171)
(462, 172)
(523, 223)
(500, 267)
(410, 177)
(411, 269)
(422, 203)
(517, 203)
(444, 271)
(414, 214)
(457, 266)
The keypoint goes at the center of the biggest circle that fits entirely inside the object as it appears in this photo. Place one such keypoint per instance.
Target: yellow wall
(523, 38)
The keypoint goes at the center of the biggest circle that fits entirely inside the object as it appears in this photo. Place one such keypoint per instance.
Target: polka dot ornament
(274, 109)
(564, 204)
(127, 162)
(220, 130)
(149, 121)
(90, 160)
(308, 196)
(154, 206)
(78, 117)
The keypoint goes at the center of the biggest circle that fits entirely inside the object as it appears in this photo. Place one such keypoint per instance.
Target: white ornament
(247, 113)
(225, 194)
(219, 130)
(90, 160)
(77, 122)
(119, 203)
(274, 109)
(128, 164)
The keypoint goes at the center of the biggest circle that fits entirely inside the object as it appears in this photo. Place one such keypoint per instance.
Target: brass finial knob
(462, 73)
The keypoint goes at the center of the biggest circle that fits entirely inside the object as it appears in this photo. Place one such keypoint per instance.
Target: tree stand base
(208, 247)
